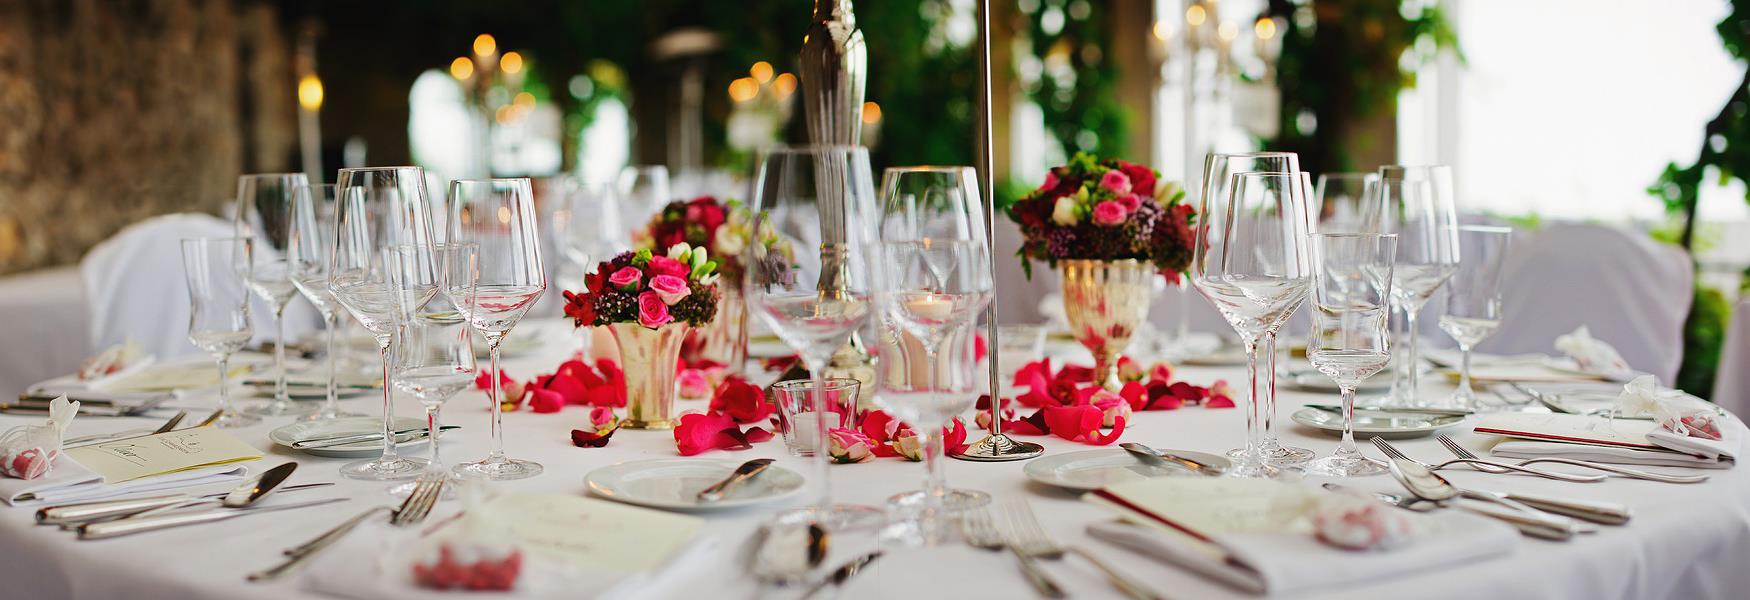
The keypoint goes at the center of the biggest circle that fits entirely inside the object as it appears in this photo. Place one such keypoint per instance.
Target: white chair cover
(1630, 291)
(45, 312)
(1732, 381)
(135, 289)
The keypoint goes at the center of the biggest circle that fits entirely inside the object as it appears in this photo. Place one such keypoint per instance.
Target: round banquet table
(1686, 541)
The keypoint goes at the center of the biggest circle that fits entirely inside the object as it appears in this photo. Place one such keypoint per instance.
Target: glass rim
(211, 240)
(807, 149)
(512, 180)
(1271, 153)
(1356, 235)
(379, 169)
(832, 384)
(1486, 229)
(955, 169)
(267, 175)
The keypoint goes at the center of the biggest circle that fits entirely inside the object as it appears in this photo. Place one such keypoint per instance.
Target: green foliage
(1704, 333)
(1080, 102)
(1724, 145)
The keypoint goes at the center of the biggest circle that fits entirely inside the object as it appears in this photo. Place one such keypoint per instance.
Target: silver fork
(1479, 464)
(1461, 452)
(1030, 539)
(412, 511)
(981, 532)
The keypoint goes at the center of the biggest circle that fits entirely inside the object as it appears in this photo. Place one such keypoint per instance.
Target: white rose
(728, 244)
(1064, 212)
(1167, 191)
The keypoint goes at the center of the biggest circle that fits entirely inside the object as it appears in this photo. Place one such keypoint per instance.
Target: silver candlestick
(997, 446)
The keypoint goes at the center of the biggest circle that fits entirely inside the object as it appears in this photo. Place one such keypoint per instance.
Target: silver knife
(844, 572)
(1453, 412)
(85, 512)
(747, 470)
(110, 529)
(342, 440)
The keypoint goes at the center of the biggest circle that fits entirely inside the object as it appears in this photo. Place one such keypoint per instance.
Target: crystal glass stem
(1269, 447)
(497, 454)
(1467, 398)
(280, 397)
(224, 385)
(389, 453)
(930, 440)
(1254, 432)
(433, 423)
(1346, 450)
(331, 406)
(1412, 375)
(822, 462)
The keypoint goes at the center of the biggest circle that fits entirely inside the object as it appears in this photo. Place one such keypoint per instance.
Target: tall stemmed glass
(1351, 301)
(1473, 301)
(932, 287)
(1218, 172)
(217, 271)
(264, 214)
(378, 208)
(1340, 198)
(435, 356)
(310, 237)
(809, 278)
(497, 216)
(1416, 203)
(641, 191)
(1252, 262)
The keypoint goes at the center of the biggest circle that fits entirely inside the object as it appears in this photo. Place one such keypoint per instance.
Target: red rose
(1142, 179)
(742, 401)
(663, 265)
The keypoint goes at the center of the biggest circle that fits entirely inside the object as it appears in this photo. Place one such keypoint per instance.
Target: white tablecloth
(46, 327)
(1684, 542)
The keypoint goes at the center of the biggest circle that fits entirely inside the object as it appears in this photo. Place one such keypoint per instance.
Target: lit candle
(929, 306)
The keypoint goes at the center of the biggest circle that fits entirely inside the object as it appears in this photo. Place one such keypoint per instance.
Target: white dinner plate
(674, 483)
(1369, 423)
(1318, 382)
(519, 342)
(1090, 470)
(303, 430)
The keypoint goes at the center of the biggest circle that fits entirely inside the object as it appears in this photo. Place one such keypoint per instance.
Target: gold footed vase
(724, 339)
(1106, 300)
(648, 358)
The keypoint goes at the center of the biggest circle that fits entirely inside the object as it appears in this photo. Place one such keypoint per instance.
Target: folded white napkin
(1685, 451)
(71, 482)
(1297, 563)
(1594, 356)
(376, 562)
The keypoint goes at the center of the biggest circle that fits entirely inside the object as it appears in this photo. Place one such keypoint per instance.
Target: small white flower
(728, 244)
(1167, 191)
(679, 251)
(1064, 212)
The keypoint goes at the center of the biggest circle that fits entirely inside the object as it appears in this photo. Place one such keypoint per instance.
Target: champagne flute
(932, 287)
(808, 277)
(309, 243)
(377, 209)
(933, 290)
(1218, 172)
(435, 357)
(497, 216)
(1252, 262)
(1351, 301)
(217, 271)
(1473, 301)
(264, 214)
(1415, 203)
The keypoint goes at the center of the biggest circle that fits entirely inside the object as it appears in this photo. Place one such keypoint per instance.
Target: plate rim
(599, 490)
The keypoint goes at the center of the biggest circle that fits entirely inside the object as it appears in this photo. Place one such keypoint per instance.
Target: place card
(1579, 429)
(592, 534)
(170, 452)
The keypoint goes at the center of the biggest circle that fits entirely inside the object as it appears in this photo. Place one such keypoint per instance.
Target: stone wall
(115, 110)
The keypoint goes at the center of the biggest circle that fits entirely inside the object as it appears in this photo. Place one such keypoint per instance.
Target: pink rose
(1109, 213)
(663, 265)
(693, 384)
(626, 278)
(1113, 408)
(849, 446)
(1050, 181)
(652, 312)
(1131, 202)
(1115, 181)
(906, 443)
(670, 288)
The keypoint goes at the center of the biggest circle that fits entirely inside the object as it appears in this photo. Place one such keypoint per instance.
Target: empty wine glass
(264, 214)
(378, 208)
(589, 228)
(1340, 198)
(1251, 261)
(1351, 302)
(1415, 203)
(1473, 301)
(808, 279)
(640, 192)
(1218, 172)
(310, 240)
(217, 271)
(434, 359)
(498, 217)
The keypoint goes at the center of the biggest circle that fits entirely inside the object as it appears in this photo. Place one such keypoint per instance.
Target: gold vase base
(1000, 448)
(660, 424)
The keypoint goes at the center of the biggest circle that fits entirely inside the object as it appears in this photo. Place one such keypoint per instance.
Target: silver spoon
(1428, 485)
(243, 495)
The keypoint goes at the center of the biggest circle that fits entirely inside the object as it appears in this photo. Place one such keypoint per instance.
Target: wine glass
(1351, 301)
(1473, 301)
(1340, 198)
(589, 228)
(933, 290)
(217, 271)
(640, 192)
(1415, 203)
(934, 281)
(264, 214)
(497, 216)
(434, 359)
(809, 279)
(310, 239)
(377, 209)
(1252, 262)
(1218, 172)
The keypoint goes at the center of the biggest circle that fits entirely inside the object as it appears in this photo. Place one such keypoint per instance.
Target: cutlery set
(168, 426)
(115, 518)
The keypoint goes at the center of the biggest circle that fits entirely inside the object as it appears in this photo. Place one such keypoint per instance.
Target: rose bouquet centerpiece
(722, 226)
(648, 302)
(1108, 226)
